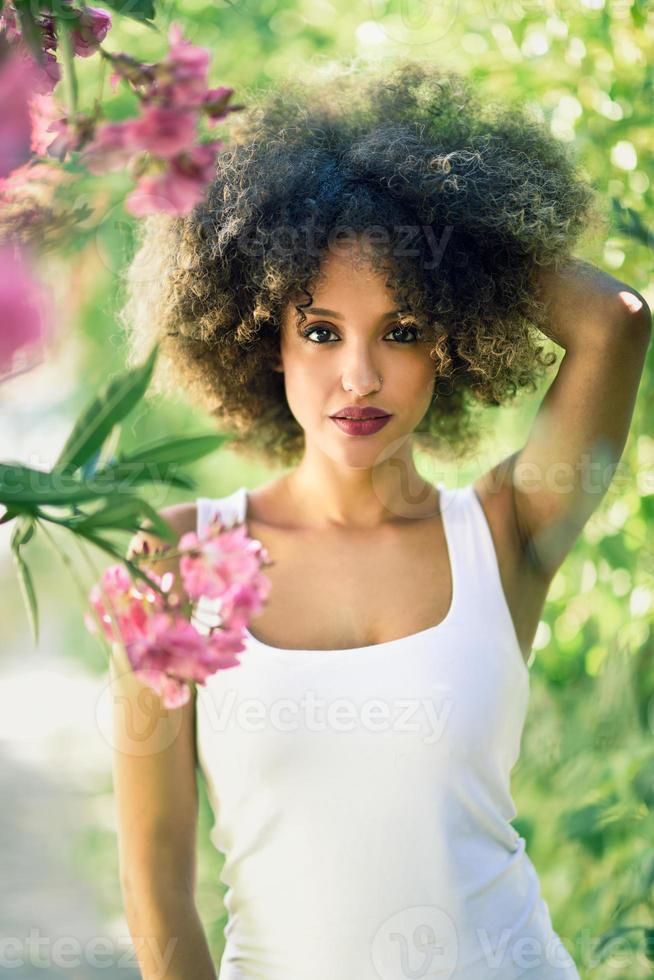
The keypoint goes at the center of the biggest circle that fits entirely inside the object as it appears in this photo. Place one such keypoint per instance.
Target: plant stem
(68, 58)
(101, 77)
(65, 558)
(117, 650)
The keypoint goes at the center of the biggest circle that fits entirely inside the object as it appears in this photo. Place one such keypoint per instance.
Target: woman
(389, 245)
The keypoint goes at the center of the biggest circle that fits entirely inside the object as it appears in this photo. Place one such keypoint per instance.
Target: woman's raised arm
(155, 787)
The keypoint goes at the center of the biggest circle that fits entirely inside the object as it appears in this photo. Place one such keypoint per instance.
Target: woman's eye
(305, 335)
(399, 327)
(416, 332)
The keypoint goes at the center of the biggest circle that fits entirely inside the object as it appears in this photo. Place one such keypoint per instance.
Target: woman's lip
(361, 427)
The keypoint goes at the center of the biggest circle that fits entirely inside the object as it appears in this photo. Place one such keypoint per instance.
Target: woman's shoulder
(182, 517)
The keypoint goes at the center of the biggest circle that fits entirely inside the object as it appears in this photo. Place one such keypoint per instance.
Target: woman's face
(335, 359)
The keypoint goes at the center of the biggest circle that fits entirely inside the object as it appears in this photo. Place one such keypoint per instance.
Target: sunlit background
(584, 786)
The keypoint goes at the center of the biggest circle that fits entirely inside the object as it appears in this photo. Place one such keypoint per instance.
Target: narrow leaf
(109, 449)
(29, 29)
(141, 10)
(134, 472)
(159, 526)
(24, 486)
(114, 400)
(22, 532)
(185, 450)
(28, 593)
(121, 513)
(126, 514)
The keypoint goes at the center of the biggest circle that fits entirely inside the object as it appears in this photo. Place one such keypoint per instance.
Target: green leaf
(125, 514)
(29, 595)
(113, 402)
(9, 515)
(648, 936)
(158, 525)
(110, 447)
(29, 29)
(185, 450)
(22, 532)
(24, 486)
(643, 783)
(158, 461)
(607, 941)
(141, 10)
(630, 222)
(140, 473)
(117, 514)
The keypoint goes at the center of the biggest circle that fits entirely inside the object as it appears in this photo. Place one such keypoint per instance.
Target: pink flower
(163, 131)
(130, 606)
(182, 77)
(48, 33)
(90, 30)
(36, 180)
(220, 560)
(223, 644)
(49, 74)
(179, 187)
(112, 147)
(17, 83)
(25, 314)
(170, 652)
(46, 75)
(9, 23)
(173, 171)
(243, 601)
(50, 133)
(163, 647)
(225, 564)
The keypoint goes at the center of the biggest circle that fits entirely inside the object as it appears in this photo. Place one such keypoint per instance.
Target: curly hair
(413, 148)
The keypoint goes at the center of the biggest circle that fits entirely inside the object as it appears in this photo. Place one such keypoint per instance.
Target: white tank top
(361, 796)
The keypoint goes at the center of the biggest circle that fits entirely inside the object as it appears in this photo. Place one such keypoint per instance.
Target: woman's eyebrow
(339, 316)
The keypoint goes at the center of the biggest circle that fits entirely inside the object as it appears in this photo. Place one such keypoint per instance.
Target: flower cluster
(89, 29)
(160, 145)
(173, 169)
(48, 73)
(91, 25)
(164, 648)
(26, 310)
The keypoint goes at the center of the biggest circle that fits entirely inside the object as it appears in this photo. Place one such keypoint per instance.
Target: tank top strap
(474, 562)
(231, 509)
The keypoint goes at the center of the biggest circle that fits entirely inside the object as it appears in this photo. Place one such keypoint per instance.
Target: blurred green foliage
(584, 785)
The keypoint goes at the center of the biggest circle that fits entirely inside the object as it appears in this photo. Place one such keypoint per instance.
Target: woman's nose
(361, 383)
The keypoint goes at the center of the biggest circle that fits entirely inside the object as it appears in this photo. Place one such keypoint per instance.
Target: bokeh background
(584, 785)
